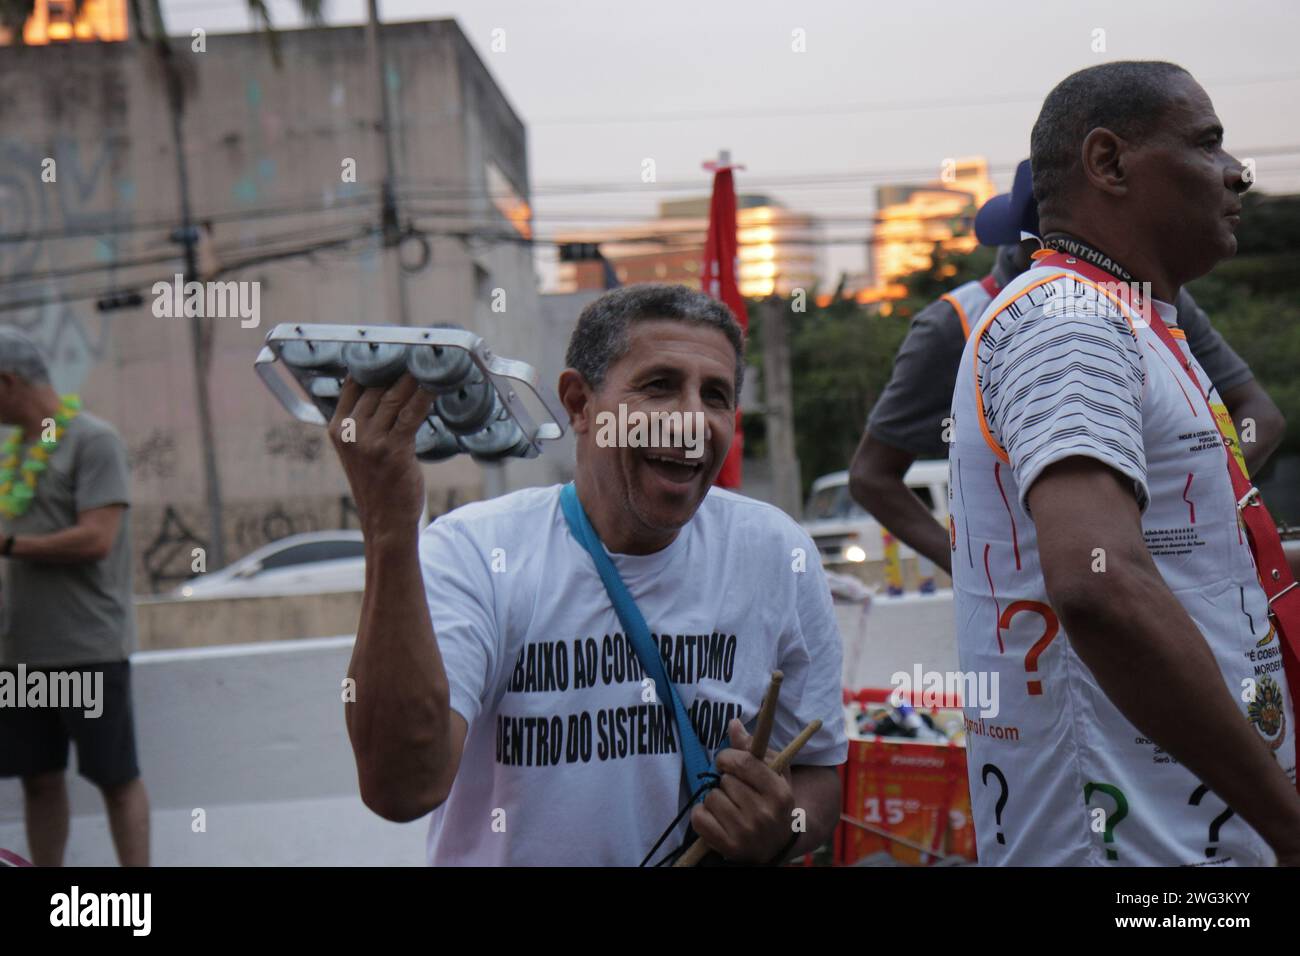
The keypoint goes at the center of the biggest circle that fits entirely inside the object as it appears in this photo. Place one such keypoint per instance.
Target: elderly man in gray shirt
(68, 618)
(908, 421)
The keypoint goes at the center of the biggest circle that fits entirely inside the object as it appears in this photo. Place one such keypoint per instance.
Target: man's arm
(89, 540)
(1249, 405)
(908, 422)
(1126, 626)
(1245, 399)
(751, 816)
(876, 482)
(816, 790)
(405, 737)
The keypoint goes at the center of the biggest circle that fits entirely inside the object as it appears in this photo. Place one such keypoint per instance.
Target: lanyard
(1089, 253)
(696, 765)
(1274, 572)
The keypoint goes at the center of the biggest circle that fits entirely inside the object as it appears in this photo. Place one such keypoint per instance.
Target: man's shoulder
(86, 427)
(1046, 293)
(94, 437)
(513, 509)
(749, 516)
(938, 318)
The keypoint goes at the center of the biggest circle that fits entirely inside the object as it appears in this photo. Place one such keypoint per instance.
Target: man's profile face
(669, 366)
(1185, 184)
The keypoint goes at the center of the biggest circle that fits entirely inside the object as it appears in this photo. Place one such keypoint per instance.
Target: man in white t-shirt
(1099, 565)
(494, 683)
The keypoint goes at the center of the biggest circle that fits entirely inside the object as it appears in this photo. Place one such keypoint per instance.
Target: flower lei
(18, 483)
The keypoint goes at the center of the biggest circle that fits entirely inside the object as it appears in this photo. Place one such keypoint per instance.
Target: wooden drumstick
(782, 760)
(757, 747)
(766, 717)
(697, 851)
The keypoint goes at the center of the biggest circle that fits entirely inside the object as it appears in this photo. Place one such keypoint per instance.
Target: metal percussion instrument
(487, 406)
(375, 364)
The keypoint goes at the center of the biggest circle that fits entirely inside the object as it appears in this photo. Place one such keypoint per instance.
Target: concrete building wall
(266, 148)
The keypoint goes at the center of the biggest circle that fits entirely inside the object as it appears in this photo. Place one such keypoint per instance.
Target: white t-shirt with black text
(569, 758)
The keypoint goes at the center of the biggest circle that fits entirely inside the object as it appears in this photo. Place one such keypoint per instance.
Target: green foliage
(840, 359)
(1253, 299)
(1265, 331)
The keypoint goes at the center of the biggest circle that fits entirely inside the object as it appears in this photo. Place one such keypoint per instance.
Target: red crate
(916, 791)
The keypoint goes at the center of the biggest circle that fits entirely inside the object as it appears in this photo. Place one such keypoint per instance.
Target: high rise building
(779, 248)
(912, 219)
(59, 21)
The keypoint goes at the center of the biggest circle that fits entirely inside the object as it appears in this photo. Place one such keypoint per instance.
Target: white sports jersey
(1060, 776)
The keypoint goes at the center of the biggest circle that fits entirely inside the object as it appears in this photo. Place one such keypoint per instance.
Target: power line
(882, 106)
(226, 269)
(221, 251)
(233, 216)
(423, 190)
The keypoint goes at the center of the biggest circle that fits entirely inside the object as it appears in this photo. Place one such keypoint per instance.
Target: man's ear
(1104, 161)
(575, 396)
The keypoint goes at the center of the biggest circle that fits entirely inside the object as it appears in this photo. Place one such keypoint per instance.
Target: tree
(842, 355)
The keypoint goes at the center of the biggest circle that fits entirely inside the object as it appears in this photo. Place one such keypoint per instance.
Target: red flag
(718, 275)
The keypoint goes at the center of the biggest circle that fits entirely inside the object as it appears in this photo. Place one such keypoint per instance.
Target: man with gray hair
(65, 556)
(503, 680)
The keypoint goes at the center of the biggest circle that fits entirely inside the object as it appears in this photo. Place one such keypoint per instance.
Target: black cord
(711, 780)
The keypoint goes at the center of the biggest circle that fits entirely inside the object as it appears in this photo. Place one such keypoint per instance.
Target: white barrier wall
(254, 736)
(896, 634)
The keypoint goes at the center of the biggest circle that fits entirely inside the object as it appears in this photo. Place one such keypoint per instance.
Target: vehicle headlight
(855, 554)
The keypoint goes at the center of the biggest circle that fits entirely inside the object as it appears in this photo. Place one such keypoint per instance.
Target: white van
(847, 534)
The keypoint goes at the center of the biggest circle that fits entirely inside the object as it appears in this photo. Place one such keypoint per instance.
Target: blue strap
(696, 765)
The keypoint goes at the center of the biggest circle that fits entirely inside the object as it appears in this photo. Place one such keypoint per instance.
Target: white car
(312, 563)
(846, 534)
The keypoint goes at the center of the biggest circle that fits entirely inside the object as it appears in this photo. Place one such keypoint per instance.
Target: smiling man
(1100, 564)
(495, 684)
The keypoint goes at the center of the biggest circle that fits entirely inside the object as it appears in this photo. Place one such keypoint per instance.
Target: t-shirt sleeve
(811, 662)
(1225, 368)
(101, 477)
(1064, 383)
(918, 397)
(458, 588)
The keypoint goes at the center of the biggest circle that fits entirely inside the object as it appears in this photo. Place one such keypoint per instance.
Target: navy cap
(1003, 218)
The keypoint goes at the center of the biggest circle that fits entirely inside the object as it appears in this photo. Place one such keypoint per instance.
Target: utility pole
(392, 231)
(200, 336)
(778, 406)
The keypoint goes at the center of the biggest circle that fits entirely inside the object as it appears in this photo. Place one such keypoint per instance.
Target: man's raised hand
(373, 431)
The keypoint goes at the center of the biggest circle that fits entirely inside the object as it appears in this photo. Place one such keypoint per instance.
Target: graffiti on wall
(153, 457)
(295, 441)
(168, 558)
(53, 242)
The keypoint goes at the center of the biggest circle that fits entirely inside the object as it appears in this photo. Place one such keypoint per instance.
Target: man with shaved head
(1099, 562)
